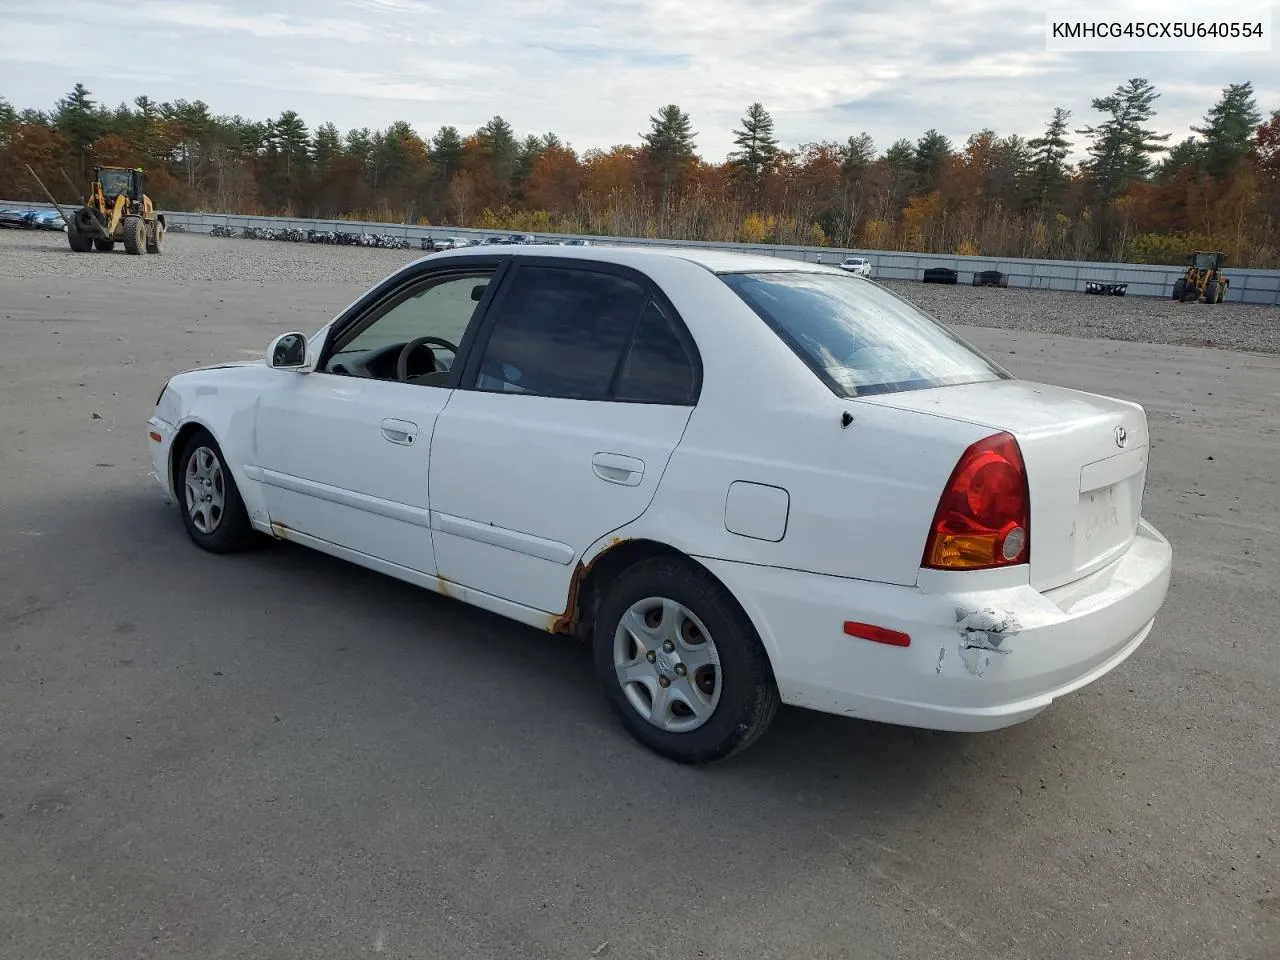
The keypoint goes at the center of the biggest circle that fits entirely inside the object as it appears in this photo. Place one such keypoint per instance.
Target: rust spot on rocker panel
(567, 622)
(279, 530)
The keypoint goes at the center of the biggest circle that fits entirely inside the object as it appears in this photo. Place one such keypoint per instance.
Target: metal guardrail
(1144, 280)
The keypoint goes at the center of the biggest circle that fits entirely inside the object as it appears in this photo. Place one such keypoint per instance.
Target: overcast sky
(594, 70)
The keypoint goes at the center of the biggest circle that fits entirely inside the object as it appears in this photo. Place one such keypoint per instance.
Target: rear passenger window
(560, 332)
(658, 368)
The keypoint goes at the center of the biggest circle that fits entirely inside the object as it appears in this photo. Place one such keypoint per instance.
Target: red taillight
(984, 514)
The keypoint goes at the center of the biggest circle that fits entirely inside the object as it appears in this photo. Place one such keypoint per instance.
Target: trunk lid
(1086, 460)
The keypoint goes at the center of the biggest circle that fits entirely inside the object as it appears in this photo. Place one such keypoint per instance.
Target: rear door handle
(615, 468)
(400, 431)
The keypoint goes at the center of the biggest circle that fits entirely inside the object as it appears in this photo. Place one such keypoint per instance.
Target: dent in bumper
(977, 660)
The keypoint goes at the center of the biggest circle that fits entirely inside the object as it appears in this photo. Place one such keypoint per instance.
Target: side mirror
(288, 352)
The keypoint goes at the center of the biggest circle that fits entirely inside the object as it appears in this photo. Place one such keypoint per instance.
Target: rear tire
(1179, 288)
(104, 246)
(212, 511)
(134, 235)
(686, 629)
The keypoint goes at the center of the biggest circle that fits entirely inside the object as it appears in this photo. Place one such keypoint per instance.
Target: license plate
(1103, 521)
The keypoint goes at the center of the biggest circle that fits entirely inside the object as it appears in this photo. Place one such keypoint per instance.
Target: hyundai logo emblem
(1122, 436)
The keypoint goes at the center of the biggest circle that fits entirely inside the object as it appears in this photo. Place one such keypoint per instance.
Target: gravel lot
(196, 258)
(1233, 326)
(282, 756)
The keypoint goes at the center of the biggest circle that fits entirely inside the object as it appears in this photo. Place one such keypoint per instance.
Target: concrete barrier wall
(1144, 280)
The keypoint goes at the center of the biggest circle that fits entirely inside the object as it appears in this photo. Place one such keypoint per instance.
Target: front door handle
(615, 468)
(400, 431)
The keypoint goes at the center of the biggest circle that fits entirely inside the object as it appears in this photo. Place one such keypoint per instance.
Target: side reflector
(867, 631)
(155, 436)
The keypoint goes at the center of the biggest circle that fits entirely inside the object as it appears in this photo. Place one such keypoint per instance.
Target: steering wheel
(402, 361)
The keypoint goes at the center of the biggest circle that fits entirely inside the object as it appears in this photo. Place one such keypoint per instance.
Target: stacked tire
(940, 275)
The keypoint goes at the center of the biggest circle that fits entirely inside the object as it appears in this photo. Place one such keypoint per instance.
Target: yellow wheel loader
(116, 211)
(1203, 281)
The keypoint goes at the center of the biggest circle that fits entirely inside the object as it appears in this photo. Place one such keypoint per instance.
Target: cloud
(272, 26)
(594, 71)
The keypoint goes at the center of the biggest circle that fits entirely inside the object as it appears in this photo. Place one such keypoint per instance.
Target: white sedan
(860, 266)
(745, 480)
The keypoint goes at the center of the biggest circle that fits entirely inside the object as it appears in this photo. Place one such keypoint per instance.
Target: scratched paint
(982, 634)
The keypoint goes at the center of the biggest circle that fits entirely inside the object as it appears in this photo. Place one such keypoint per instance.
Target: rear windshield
(859, 338)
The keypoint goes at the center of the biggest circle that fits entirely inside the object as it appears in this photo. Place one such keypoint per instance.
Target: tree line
(1138, 196)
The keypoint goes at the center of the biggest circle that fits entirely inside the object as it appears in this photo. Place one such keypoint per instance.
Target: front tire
(134, 235)
(104, 246)
(681, 664)
(212, 511)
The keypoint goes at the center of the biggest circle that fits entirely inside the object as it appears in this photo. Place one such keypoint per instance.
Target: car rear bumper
(976, 660)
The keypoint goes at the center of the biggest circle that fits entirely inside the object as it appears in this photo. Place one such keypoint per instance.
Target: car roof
(716, 261)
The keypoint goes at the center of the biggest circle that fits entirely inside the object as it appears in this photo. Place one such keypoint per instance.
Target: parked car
(745, 480)
(575, 243)
(443, 243)
(860, 266)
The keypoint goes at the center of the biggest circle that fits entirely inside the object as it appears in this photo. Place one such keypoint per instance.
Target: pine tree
(290, 137)
(1048, 159)
(289, 145)
(446, 151)
(857, 154)
(1010, 171)
(1122, 146)
(530, 150)
(504, 149)
(901, 155)
(757, 147)
(8, 122)
(931, 152)
(327, 145)
(76, 118)
(359, 145)
(1185, 153)
(1228, 127)
(146, 124)
(669, 145)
